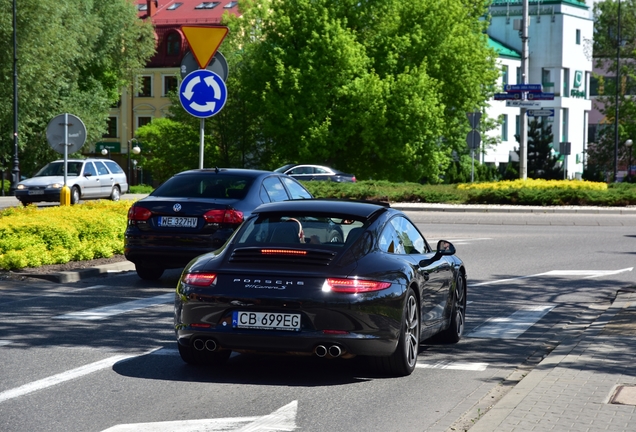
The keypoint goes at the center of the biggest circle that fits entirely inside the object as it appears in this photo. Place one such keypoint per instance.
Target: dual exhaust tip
(202, 344)
(333, 351)
(321, 351)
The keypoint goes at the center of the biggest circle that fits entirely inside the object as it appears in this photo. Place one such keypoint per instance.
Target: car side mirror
(444, 248)
(87, 174)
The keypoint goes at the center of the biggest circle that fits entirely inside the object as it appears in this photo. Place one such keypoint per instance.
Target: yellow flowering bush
(32, 236)
(536, 184)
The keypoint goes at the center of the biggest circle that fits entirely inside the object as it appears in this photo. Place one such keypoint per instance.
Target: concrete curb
(78, 275)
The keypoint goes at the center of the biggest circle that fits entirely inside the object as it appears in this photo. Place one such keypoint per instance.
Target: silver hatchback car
(87, 178)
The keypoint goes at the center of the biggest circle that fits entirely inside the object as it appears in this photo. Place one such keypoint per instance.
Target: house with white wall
(560, 36)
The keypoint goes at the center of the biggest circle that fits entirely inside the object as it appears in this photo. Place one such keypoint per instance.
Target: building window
(145, 86)
(592, 130)
(111, 128)
(504, 127)
(545, 77)
(566, 82)
(594, 86)
(517, 125)
(504, 75)
(169, 84)
(174, 6)
(230, 5)
(207, 5)
(519, 76)
(578, 37)
(564, 125)
(173, 44)
(142, 121)
(142, 7)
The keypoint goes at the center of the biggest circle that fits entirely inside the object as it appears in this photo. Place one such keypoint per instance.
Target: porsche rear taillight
(199, 279)
(138, 214)
(353, 286)
(224, 216)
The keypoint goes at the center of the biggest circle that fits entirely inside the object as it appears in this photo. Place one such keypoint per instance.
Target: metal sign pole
(202, 138)
(65, 148)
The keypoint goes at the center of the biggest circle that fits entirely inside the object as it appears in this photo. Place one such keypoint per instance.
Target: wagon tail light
(224, 216)
(353, 286)
(138, 214)
(199, 279)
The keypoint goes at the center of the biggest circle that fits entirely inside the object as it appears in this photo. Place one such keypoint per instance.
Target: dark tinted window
(205, 186)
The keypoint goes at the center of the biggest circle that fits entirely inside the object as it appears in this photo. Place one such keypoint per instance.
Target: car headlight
(20, 187)
(56, 185)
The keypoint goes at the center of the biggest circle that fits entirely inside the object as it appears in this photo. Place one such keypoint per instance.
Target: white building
(559, 58)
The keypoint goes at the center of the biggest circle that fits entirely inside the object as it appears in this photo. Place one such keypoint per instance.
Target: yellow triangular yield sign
(204, 41)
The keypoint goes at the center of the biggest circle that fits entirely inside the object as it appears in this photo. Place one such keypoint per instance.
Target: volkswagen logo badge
(176, 207)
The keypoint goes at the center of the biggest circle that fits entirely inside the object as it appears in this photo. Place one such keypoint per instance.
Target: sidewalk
(586, 384)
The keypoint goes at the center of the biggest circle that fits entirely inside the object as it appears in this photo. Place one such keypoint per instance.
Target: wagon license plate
(177, 222)
(36, 192)
(266, 321)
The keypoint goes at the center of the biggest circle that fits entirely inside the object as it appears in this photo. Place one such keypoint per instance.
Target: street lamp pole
(628, 144)
(136, 150)
(15, 172)
(618, 73)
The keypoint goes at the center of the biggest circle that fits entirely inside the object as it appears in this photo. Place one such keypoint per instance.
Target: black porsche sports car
(329, 278)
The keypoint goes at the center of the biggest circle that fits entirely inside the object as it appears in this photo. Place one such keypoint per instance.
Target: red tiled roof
(167, 11)
(168, 18)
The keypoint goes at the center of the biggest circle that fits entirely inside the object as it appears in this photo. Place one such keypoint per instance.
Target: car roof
(84, 160)
(241, 171)
(361, 209)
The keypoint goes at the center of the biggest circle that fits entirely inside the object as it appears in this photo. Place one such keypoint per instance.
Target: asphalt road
(100, 354)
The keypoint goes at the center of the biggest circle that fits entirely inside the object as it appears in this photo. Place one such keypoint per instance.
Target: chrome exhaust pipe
(320, 351)
(210, 345)
(335, 351)
(198, 344)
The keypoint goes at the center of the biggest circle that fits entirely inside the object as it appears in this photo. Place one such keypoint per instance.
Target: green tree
(601, 153)
(73, 57)
(378, 89)
(542, 161)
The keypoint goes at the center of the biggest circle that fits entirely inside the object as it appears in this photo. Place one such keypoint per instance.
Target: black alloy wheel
(403, 361)
(455, 330)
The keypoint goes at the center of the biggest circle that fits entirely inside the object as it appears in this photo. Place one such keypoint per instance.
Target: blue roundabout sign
(202, 93)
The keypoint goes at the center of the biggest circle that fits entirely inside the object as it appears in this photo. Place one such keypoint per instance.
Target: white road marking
(464, 241)
(117, 309)
(63, 377)
(283, 419)
(586, 273)
(454, 366)
(513, 326)
(5, 342)
(89, 288)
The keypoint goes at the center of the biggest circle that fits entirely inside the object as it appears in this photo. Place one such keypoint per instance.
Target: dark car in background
(306, 172)
(87, 178)
(195, 212)
(328, 278)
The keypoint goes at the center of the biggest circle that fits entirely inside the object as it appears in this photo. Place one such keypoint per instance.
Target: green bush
(32, 236)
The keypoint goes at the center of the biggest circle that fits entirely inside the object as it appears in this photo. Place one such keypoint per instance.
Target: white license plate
(36, 192)
(266, 321)
(177, 222)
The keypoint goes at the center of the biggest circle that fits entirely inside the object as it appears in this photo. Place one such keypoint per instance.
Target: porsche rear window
(300, 230)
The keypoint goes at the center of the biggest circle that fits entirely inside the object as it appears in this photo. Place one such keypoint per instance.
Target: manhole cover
(624, 395)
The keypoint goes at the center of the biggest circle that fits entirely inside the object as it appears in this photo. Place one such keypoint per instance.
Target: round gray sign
(218, 65)
(58, 135)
